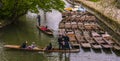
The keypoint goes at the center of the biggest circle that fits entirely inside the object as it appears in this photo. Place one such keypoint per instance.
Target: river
(25, 30)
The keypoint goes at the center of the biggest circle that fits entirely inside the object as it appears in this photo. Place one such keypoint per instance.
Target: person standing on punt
(60, 42)
(39, 19)
(66, 40)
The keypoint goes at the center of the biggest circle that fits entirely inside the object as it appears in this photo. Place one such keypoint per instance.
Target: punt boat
(37, 49)
(48, 31)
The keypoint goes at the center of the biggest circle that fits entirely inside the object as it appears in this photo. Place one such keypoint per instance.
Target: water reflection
(58, 57)
(97, 50)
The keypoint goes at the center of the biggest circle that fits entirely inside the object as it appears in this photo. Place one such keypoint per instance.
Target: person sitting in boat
(44, 28)
(32, 46)
(24, 45)
(49, 47)
(47, 28)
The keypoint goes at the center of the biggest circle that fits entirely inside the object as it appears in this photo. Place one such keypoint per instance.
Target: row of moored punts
(83, 30)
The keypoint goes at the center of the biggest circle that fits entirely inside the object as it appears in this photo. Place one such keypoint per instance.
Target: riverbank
(4, 23)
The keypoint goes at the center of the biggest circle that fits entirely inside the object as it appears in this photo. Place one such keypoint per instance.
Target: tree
(13, 9)
(0, 3)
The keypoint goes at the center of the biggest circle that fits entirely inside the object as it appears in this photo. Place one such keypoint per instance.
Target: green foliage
(13, 9)
(94, 0)
(0, 4)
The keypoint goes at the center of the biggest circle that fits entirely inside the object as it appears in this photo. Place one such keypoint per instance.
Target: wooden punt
(106, 35)
(91, 26)
(70, 33)
(61, 31)
(106, 45)
(80, 23)
(74, 25)
(96, 46)
(77, 18)
(100, 31)
(78, 32)
(86, 33)
(81, 26)
(68, 30)
(36, 49)
(87, 26)
(90, 18)
(48, 32)
(109, 41)
(116, 47)
(17, 47)
(72, 37)
(107, 38)
(99, 40)
(80, 39)
(75, 45)
(85, 45)
(95, 34)
(89, 39)
(79, 36)
(66, 19)
(61, 25)
(67, 25)
(83, 18)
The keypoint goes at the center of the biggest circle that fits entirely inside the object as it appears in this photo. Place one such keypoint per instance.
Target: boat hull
(36, 49)
(50, 33)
